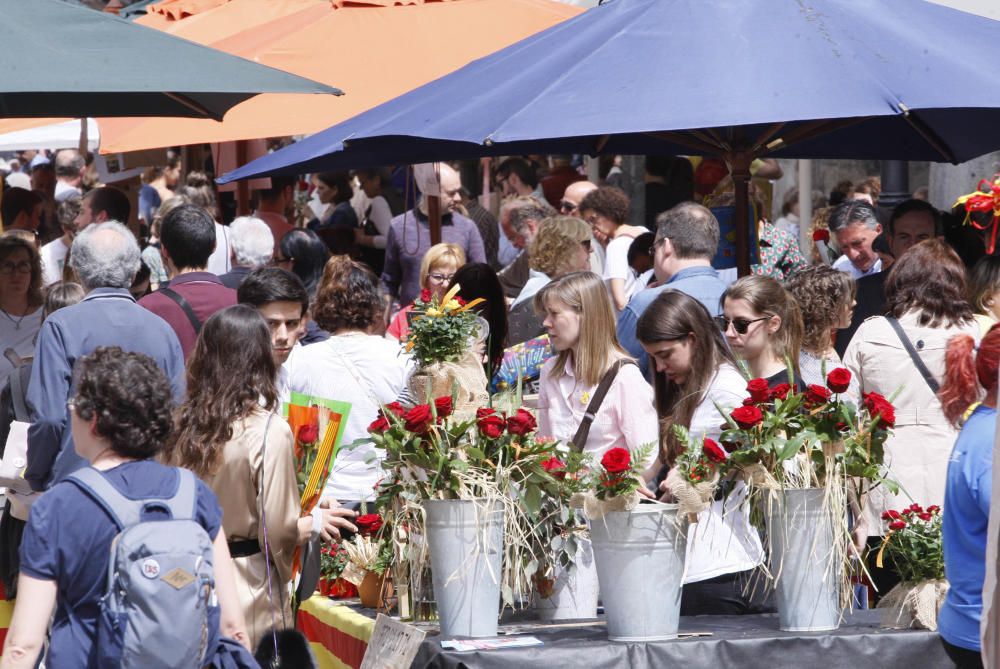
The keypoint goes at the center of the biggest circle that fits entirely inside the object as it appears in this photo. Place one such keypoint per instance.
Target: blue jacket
(105, 317)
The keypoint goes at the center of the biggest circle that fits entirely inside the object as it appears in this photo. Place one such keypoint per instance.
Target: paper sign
(491, 644)
(393, 644)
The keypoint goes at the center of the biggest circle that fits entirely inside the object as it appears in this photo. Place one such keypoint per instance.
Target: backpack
(159, 610)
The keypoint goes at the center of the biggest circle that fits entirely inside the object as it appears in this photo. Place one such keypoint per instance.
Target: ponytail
(959, 389)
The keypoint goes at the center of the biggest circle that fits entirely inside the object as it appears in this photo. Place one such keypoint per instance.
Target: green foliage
(916, 549)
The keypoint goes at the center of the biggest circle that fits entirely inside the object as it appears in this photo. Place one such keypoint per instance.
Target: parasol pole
(739, 167)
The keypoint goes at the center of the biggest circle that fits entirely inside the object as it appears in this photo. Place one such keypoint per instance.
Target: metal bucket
(640, 563)
(576, 589)
(803, 561)
(465, 540)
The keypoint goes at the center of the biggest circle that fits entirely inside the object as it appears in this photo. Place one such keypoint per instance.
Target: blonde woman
(826, 299)
(437, 268)
(763, 325)
(584, 355)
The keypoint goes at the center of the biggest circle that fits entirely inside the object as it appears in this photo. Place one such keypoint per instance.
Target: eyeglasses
(441, 278)
(566, 207)
(9, 267)
(652, 249)
(741, 325)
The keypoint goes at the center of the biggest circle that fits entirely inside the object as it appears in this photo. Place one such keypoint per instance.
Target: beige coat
(246, 486)
(918, 450)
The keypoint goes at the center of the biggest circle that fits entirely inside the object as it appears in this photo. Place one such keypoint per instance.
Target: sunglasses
(740, 325)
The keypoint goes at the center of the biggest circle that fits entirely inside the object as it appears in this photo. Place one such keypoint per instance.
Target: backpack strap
(179, 300)
(582, 432)
(126, 512)
(914, 356)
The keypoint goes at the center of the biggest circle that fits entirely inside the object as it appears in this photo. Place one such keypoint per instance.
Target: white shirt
(844, 264)
(626, 419)
(17, 333)
(53, 260)
(64, 191)
(220, 261)
(722, 541)
(367, 371)
(536, 281)
(381, 216)
(616, 265)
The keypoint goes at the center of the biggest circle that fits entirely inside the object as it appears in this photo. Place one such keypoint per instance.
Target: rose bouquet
(913, 547)
(695, 474)
(615, 484)
(369, 555)
(433, 453)
(332, 562)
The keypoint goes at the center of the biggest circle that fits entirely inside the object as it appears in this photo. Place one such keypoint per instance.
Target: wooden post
(434, 218)
(243, 185)
(739, 166)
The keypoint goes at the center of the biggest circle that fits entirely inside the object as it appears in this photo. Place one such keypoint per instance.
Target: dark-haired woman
(120, 417)
(229, 434)
(968, 491)
(354, 365)
(335, 191)
(479, 280)
(304, 254)
(925, 294)
(20, 300)
(696, 375)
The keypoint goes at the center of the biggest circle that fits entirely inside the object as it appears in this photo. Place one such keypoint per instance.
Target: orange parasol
(374, 50)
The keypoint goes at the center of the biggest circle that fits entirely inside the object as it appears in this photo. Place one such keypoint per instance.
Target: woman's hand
(665, 494)
(335, 519)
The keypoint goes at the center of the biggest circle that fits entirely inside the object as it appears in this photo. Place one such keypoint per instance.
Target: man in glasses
(519, 221)
(687, 237)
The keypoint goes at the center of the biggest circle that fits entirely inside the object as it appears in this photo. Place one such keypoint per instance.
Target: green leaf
(533, 500)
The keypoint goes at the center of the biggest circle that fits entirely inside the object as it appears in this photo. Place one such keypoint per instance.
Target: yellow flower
(452, 305)
(434, 312)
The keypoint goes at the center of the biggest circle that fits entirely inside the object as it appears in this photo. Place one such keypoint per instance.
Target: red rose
(491, 425)
(555, 467)
(933, 508)
(369, 523)
(379, 425)
(425, 295)
(879, 407)
(821, 235)
(616, 460)
(443, 406)
(897, 525)
(759, 390)
(460, 301)
(482, 412)
(395, 408)
(838, 380)
(747, 416)
(925, 516)
(916, 508)
(816, 394)
(521, 423)
(713, 451)
(890, 515)
(780, 391)
(418, 419)
(308, 433)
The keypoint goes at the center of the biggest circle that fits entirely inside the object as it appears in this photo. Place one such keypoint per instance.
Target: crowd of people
(176, 347)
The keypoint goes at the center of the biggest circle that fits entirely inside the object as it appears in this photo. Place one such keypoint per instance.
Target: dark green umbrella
(63, 60)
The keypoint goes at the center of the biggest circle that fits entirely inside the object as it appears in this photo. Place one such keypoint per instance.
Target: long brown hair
(929, 278)
(586, 294)
(10, 241)
(673, 316)
(230, 375)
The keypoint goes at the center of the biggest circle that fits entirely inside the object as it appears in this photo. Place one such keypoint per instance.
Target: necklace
(15, 321)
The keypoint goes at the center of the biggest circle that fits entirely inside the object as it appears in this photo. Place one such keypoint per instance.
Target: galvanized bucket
(576, 589)
(465, 540)
(640, 562)
(803, 561)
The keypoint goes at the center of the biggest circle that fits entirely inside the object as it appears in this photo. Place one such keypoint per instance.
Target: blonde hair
(437, 254)
(556, 240)
(597, 348)
(767, 297)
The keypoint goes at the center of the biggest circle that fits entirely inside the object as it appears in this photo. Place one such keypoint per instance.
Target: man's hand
(335, 518)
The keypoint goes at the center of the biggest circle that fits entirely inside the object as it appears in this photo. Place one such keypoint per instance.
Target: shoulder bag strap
(17, 396)
(582, 432)
(124, 511)
(914, 356)
(185, 307)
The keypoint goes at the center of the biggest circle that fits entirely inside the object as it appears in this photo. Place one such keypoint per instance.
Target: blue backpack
(159, 610)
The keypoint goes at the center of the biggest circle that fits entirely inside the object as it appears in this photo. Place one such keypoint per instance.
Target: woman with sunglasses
(696, 375)
(437, 269)
(763, 325)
